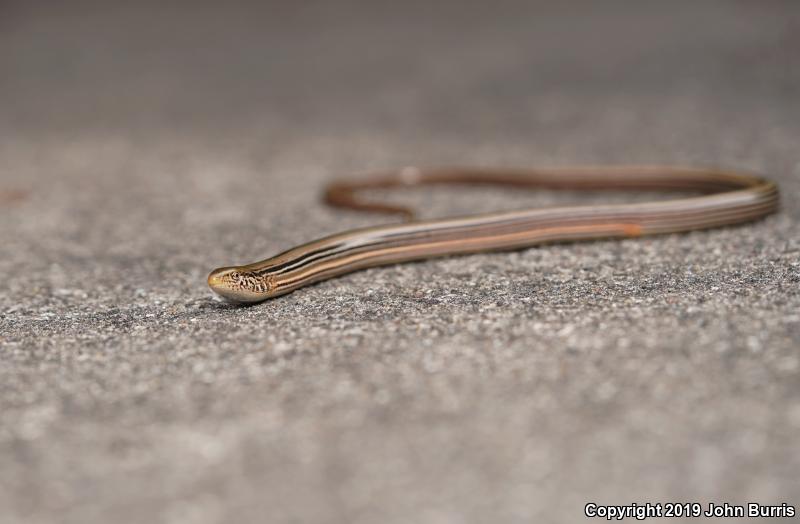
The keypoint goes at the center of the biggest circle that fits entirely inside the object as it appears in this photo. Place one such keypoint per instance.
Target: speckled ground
(141, 146)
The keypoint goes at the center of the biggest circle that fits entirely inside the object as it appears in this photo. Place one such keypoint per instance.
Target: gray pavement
(141, 146)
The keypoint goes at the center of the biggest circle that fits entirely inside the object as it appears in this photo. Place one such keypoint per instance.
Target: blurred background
(143, 144)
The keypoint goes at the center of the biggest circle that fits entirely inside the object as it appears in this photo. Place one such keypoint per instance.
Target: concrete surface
(141, 146)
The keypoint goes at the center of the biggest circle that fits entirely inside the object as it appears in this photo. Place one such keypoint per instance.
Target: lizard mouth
(219, 282)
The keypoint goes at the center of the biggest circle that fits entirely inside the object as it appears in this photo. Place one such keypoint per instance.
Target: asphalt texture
(143, 145)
